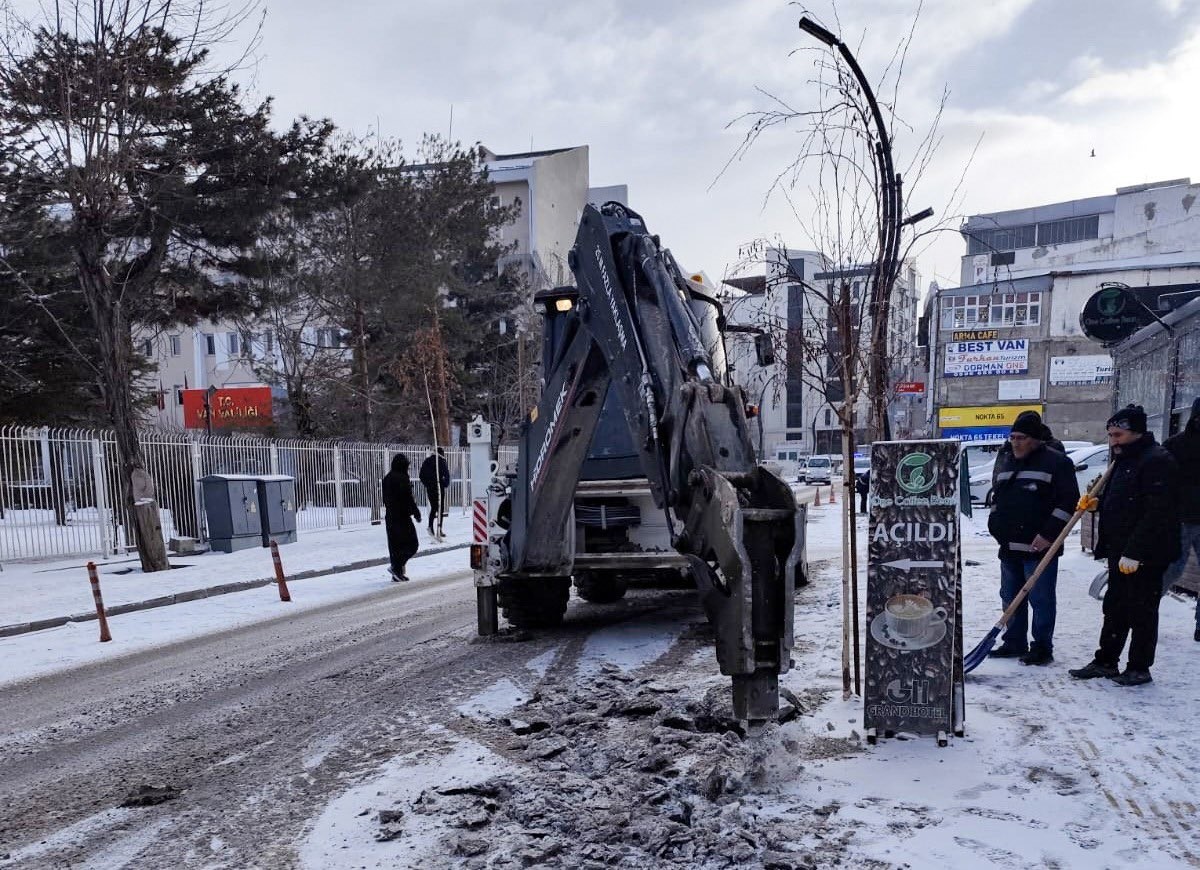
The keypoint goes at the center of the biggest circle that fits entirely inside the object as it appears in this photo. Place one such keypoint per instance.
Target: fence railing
(61, 492)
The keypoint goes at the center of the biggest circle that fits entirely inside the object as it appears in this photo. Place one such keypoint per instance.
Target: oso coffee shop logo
(914, 473)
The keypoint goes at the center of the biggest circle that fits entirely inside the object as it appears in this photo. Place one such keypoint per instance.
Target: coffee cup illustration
(909, 617)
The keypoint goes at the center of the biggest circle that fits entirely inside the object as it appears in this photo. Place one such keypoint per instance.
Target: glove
(1087, 503)
(1127, 565)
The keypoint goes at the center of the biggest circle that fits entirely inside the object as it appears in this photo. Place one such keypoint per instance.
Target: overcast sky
(651, 85)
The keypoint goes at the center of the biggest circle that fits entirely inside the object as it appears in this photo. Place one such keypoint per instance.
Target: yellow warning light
(699, 279)
(563, 305)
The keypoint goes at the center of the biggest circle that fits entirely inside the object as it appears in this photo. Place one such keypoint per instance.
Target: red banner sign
(232, 408)
(910, 387)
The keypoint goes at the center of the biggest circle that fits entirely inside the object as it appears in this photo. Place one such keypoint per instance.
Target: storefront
(980, 422)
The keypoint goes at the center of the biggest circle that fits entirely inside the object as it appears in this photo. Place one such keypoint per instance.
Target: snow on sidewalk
(1053, 772)
(32, 591)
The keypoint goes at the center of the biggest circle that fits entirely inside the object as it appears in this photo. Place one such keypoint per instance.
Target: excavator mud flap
(752, 536)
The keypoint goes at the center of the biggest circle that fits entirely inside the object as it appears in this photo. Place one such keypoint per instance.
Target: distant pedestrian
(1139, 536)
(1185, 447)
(401, 510)
(1034, 493)
(1050, 441)
(435, 477)
(862, 485)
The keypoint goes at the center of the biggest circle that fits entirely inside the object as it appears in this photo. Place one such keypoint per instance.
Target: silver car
(819, 471)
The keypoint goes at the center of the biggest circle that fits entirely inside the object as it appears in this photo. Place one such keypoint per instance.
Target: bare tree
(845, 192)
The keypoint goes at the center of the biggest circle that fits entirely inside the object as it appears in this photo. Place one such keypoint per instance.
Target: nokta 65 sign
(1004, 356)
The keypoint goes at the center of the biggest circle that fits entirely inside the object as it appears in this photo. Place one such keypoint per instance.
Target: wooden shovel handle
(1094, 492)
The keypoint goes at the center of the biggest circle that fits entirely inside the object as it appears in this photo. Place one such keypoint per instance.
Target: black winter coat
(429, 477)
(1032, 496)
(1185, 447)
(1139, 508)
(401, 511)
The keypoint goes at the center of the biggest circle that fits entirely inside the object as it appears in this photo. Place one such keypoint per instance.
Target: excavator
(638, 463)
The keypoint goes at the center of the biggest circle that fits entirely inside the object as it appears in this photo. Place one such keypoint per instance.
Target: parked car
(1089, 463)
(819, 471)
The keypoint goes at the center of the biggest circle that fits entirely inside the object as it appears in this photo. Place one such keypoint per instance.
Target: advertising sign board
(1081, 370)
(982, 415)
(914, 646)
(232, 408)
(911, 387)
(1001, 356)
(1015, 389)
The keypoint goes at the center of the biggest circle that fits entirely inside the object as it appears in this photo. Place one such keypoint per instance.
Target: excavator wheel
(534, 602)
(601, 587)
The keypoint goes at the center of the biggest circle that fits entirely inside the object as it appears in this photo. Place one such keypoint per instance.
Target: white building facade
(1010, 337)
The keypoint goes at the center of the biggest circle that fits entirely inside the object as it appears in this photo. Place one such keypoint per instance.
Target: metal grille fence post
(339, 499)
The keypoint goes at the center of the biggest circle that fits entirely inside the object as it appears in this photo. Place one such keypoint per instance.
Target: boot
(1038, 655)
(1133, 677)
(1008, 652)
(1196, 636)
(1094, 669)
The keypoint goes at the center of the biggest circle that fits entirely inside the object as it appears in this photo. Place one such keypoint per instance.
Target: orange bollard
(817, 500)
(832, 494)
(284, 595)
(94, 579)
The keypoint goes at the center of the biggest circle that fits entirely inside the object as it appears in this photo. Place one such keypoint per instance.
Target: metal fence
(61, 492)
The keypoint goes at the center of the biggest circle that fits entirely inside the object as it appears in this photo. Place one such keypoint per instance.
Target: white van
(820, 471)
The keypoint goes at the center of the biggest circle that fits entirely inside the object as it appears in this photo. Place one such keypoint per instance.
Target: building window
(1075, 229)
(828, 417)
(210, 344)
(147, 347)
(178, 395)
(235, 343)
(268, 342)
(986, 241)
(176, 345)
(329, 336)
(994, 309)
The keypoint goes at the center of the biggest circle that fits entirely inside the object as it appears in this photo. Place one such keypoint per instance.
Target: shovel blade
(975, 657)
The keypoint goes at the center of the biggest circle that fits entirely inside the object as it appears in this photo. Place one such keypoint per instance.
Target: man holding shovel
(1034, 494)
(1139, 536)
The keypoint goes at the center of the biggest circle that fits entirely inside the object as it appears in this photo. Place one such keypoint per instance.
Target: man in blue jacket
(1034, 494)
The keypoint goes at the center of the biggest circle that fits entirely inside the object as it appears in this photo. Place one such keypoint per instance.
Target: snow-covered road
(603, 743)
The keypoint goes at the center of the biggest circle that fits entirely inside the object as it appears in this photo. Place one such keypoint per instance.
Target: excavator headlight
(563, 305)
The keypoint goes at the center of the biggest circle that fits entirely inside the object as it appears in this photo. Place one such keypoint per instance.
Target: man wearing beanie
(1139, 536)
(1185, 447)
(1034, 493)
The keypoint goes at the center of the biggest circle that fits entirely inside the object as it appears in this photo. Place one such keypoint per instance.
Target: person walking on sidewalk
(1139, 536)
(1185, 447)
(435, 477)
(401, 510)
(1034, 494)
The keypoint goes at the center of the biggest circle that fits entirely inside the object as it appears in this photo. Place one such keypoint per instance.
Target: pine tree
(153, 173)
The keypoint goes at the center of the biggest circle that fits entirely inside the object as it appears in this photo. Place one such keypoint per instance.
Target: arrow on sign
(909, 564)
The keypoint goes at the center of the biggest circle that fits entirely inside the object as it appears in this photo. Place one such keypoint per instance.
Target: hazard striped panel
(479, 521)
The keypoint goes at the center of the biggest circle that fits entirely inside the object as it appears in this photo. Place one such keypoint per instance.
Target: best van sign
(1002, 356)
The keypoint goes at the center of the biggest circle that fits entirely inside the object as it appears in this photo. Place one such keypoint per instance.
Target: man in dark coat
(1034, 493)
(401, 510)
(1048, 437)
(435, 477)
(1185, 447)
(1139, 536)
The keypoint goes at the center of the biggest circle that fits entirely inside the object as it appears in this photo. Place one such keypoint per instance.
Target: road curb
(207, 592)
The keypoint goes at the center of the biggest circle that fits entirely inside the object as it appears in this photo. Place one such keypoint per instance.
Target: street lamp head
(817, 31)
(917, 218)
